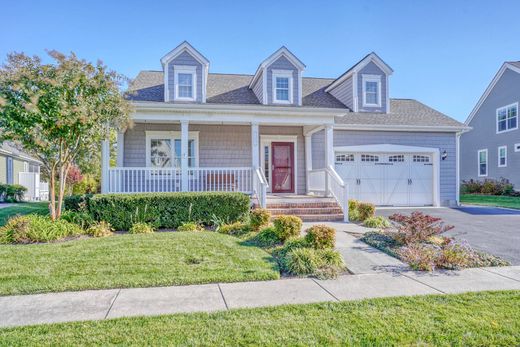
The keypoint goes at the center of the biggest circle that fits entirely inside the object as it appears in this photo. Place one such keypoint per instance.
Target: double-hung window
(502, 156)
(185, 81)
(371, 90)
(507, 118)
(163, 149)
(482, 162)
(282, 86)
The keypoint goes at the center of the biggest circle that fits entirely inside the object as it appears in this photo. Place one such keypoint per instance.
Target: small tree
(59, 112)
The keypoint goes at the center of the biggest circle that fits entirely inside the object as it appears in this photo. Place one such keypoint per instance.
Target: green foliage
(488, 186)
(190, 226)
(353, 213)
(141, 228)
(287, 226)
(77, 202)
(235, 229)
(12, 192)
(35, 228)
(280, 253)
(168, 210)
(266, 238)
(323, 263)
(82, 219)
(321, 236)
(89, 184)
(100, 229)
(377, 222)
(366, 210)
(259, 218)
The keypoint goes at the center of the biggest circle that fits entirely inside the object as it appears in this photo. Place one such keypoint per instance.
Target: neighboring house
(285, 133)
(17, 167)
(492, 149)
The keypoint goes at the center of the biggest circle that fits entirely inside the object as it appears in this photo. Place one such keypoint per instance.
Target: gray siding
(343, 93)
(371, 69)
(184, 59)
(219, 145)
(258, 88)
(483, 135)
(443, 141)
(281, 64)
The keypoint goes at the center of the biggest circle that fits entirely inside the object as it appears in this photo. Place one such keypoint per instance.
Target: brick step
(321, 217)
(305, 211)
(292, 205)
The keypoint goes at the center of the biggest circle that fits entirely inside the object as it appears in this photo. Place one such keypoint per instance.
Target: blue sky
(444, 53)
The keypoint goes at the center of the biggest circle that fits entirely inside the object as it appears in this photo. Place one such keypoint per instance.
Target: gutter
(417, 128)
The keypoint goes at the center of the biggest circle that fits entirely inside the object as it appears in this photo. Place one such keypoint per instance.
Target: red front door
(282, 167)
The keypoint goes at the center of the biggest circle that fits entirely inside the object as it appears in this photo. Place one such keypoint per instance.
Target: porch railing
(144, 180)
(260, 187)
(327, 182)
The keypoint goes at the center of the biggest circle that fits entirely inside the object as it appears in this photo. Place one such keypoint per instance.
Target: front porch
(256, 159)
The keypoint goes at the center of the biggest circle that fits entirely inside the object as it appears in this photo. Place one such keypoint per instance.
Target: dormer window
(282, 87)
(371, 90)
(185, 80)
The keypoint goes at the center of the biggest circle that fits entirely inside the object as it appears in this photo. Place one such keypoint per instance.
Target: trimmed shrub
(83, 219)
(77, 202)
(321, 236)
(377, 222)
(417, 227)
(141, 228)
(488, 186)
(12, 192)
(235, 229)
(100, 229)
(366, 210)
(287, 226)
(35, 228)
(266, 238)
(168, 210)
(190, 226)
(259, 218)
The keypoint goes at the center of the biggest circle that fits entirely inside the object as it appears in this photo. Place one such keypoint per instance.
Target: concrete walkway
(112, 303)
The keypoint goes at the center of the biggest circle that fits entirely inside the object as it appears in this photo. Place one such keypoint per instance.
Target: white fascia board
(184, 46)
(368, 127)
(386, 148)
(490, 87)
(282, 51)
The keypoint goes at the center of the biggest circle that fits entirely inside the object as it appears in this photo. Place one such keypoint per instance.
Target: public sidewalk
(112, 303)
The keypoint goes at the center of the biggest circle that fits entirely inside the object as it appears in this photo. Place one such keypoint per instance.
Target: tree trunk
(52, 192)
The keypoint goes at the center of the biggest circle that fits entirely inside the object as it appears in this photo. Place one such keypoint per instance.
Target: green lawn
(475, 319)
(23, 208)
(159, 259)
(491, 200)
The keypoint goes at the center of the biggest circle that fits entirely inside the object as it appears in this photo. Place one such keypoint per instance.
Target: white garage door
(388, 178)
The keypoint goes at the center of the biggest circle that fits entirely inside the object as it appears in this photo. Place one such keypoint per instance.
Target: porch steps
(309, 209)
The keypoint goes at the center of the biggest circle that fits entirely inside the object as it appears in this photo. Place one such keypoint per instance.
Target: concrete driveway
(491, 229)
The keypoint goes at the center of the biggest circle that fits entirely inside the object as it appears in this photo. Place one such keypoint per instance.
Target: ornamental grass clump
(259, 218)
(266, 238)
(190, 226)
(321, 263)
(378, 222)
(141, 228)
(287, 226)
(234, 229)
(35, 228)
(100, 229)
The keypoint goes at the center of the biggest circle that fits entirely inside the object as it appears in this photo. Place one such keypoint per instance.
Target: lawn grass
(23, 208)
(491, 200)
(141, 260)
(472, 319)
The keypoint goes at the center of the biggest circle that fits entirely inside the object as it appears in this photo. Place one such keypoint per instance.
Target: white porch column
(120, 148)
(308, 158)
(105, 165)
(329, 154)
(255, 146)
(184, 154)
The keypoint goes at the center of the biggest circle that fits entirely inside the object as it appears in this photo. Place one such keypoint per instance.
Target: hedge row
(164, 210)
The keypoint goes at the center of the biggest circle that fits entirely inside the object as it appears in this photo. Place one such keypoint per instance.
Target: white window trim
(282, 73)
(170, 135)
(499, 148)
(506, 107)
(517, 147)
(185, 69)
(478, 162)
(371, 78)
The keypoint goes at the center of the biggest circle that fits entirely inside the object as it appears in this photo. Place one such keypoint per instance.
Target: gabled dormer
(364, 87)
(278, 79)
(185, 75)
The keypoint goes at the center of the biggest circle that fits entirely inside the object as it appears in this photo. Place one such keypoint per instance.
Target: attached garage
(390, 175)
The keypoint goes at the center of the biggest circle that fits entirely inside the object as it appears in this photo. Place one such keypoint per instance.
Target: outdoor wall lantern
(444, 155)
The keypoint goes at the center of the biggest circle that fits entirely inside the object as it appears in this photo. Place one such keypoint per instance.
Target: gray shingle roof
(402, 112)
(234, 89)
(15, 151)
(515, 63)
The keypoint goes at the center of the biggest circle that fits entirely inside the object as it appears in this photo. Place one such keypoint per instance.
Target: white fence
(144, 180)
